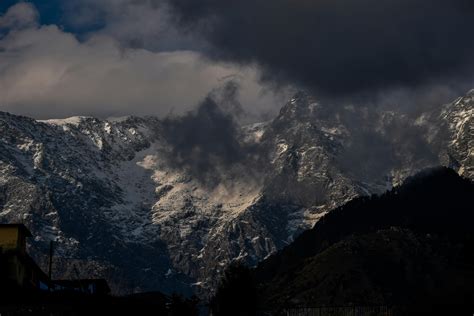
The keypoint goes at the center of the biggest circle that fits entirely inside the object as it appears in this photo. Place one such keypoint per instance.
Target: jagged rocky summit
(122, 202)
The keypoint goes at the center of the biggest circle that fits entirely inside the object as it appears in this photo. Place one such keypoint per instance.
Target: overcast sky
(105, 58)
(110, 58)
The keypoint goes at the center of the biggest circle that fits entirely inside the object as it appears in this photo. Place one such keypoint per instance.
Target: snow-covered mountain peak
(301, 105)
(74, 120)
(119, 206)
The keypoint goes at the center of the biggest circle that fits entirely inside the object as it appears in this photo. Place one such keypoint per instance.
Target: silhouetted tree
(180, 306)
(237, 294)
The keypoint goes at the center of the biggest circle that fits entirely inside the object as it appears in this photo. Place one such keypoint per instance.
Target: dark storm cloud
(339, 47)
(202, 135)
(228, 98)
(51, 71)
(383, 141)
(208, 141)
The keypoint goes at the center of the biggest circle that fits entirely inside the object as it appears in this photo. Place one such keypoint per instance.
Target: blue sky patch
(54, 12)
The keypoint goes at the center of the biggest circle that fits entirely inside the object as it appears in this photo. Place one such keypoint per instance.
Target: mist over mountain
(168, 204)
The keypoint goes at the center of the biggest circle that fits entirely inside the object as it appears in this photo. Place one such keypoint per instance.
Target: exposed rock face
(108, 193)
(459, 118)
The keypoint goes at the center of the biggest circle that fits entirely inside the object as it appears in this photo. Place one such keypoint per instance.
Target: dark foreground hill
(412, 247)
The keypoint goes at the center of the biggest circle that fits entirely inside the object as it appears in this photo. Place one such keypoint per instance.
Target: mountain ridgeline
(411, 247)
(167, 204)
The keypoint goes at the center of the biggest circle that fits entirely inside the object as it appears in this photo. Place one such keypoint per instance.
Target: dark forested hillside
(412, 246)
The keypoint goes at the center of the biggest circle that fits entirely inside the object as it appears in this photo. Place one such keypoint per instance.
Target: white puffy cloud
(48, 73)
(21, 15)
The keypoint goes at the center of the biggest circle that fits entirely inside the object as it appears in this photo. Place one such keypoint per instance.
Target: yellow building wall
(9, 238)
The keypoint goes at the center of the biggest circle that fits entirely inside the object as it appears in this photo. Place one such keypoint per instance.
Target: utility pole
(50, 272)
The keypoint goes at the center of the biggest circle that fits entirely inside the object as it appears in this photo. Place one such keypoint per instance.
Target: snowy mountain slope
(109, 193)
(459, 117)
